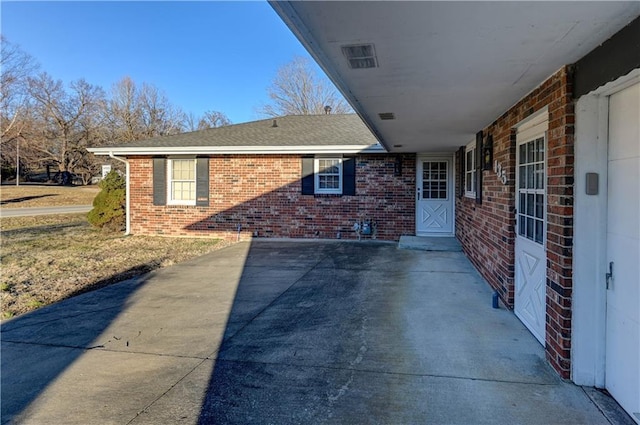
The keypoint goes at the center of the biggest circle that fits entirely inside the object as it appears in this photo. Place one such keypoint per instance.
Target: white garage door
(622, 370)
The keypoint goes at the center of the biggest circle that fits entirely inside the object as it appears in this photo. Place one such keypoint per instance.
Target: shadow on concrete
(362, 332)
(37, 347)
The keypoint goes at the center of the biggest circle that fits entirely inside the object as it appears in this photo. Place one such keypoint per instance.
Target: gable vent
(360, 56)
(387, 116)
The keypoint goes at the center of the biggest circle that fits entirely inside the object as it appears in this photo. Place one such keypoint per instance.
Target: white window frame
(317, 173)
(470, 173)
(170, 180)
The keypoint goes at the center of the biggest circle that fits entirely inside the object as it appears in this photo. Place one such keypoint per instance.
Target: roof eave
(231, 150)
(290, 17)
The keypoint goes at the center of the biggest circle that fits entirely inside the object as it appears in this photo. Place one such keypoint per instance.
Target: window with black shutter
(181, 181)
(328, 175)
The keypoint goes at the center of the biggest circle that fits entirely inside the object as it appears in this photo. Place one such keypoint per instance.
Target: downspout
(127, 208)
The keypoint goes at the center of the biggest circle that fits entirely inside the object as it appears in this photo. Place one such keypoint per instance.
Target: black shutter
(349, 176)
(479, 167)
(307, 176)
(462, 158)
(202, 182)
(159, 181)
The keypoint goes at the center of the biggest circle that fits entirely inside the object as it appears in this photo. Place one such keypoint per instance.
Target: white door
(530, 257)
(434, 198)
(622, 371)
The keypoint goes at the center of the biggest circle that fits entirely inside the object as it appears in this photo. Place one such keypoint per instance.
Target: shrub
(109, 204)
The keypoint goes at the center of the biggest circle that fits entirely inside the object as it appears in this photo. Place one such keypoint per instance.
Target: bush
(109, 204)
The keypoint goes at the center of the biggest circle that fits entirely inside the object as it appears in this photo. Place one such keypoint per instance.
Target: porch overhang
(441, 71)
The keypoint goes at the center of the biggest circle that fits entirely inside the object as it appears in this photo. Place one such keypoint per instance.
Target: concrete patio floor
(285, 333)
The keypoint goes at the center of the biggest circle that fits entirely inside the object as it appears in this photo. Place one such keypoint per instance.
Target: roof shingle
(292, 130)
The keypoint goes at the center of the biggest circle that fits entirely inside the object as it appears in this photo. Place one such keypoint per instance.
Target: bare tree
(298, 90)
(213, 119)
(159, 116)
(136, 112)
(15, 67)
(210, 119)
(66, 122)
(123, 114)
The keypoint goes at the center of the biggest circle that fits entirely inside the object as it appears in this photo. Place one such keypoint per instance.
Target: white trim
(533, 125)
(316, 176)
(170, 200)
(589, 298)
(226, 150)
(620, 84)
(470, 147)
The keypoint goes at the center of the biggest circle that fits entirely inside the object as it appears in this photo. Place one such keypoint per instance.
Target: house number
(501, 173)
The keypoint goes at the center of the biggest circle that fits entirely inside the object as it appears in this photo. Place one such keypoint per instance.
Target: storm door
(530, 255)
(434, 197)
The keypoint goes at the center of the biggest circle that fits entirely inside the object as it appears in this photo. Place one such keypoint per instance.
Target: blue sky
(204, 55)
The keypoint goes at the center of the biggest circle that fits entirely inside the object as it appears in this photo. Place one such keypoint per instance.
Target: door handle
(418, 194)
(609, 275)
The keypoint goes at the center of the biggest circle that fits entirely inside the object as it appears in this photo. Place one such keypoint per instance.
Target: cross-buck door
(434, 197)
(530, 256)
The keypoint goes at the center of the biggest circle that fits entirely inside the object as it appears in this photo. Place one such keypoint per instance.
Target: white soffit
(445, 70)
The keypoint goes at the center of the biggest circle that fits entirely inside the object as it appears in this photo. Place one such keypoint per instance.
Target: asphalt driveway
(287, 333)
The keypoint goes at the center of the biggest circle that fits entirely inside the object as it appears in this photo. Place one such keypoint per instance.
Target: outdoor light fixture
(397, 166)
(487, 153)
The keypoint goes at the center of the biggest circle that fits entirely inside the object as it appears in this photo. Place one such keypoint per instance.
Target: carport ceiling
(446, 69)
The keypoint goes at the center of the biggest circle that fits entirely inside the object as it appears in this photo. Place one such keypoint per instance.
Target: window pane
(531, 147)
(540, 149)
(539, 176)
(539, 235)
(522, 208)
(522, 226)
(183, 175)
(523, 154)
(184, 191)
(539, 206)
(530, 204)
(523, 177)
(328, 166)
(183, 169)
(530, 228)
(530, 177)
(329, 182)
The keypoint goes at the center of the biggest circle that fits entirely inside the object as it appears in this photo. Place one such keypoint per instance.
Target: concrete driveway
(287, 333)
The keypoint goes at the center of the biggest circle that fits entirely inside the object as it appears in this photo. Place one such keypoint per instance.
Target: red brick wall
(263, 193)
(487, 231)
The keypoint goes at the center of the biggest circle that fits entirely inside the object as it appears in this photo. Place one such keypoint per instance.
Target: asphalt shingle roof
(292, 130)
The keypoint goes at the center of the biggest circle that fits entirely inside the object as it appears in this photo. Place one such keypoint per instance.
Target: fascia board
(230, 150)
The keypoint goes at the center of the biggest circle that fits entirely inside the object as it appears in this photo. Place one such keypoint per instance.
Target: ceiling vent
(360, 56)
(387, 116)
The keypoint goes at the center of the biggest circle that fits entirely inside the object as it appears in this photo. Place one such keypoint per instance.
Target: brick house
(312, 176)
(535, 106)
(513, 126)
